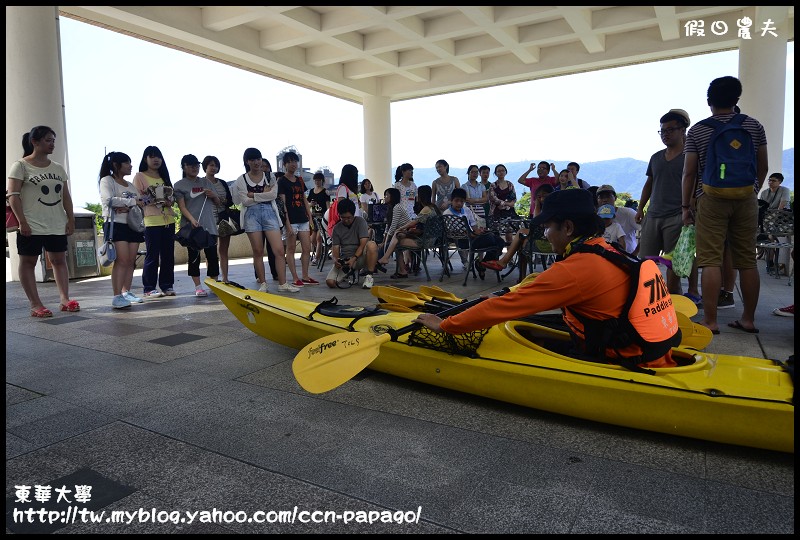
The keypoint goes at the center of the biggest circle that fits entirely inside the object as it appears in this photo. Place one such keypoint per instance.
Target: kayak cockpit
(558, 342)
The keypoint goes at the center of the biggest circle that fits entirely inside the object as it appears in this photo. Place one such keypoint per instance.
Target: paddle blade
(404, 301)
(693, 335)
(437, 292)
(397, 308)
(383, 291)
(331, 361)
(684, 305)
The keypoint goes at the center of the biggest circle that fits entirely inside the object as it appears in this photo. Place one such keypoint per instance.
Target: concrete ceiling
(406, 52)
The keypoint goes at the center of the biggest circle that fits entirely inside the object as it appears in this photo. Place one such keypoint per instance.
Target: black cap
(189, 159)
(565, 204)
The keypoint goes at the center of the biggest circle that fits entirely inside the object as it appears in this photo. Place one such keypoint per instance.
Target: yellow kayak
(723, 398)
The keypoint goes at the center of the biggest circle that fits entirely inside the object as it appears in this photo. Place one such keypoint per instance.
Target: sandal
(493, 265)
(71, 306)
(398, 275)
(41, 312)
(380, 267)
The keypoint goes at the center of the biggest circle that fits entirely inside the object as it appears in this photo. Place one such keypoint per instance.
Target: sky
(125, 94)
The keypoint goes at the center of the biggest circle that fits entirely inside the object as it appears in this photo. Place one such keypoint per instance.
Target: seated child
(613, 232)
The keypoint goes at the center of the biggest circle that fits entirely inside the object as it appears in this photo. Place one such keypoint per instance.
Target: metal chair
(777, 224)
(536, 250)
(504, 226)
(432, 240)
(457, 232)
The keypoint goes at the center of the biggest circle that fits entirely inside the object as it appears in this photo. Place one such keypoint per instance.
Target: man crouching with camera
(351, 247)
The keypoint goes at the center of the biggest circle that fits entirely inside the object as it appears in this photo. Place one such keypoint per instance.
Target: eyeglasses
(669, 131)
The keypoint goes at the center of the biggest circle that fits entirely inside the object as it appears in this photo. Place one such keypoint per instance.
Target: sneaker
(120, 302)
(170, 292)
(368, 282)
(310, 281)
(263, 287)
(287, 287)
(153, 294)
(200, 292)
(298, 283)
(132, 298)
(787, 311)
(725, 300)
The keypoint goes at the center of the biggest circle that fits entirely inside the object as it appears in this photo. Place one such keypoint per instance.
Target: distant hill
(627, 175)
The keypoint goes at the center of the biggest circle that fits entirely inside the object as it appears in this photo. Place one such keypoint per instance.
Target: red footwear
(41, 312)
(72, 306)
(298, 283)
(493, 265)
(310, 281)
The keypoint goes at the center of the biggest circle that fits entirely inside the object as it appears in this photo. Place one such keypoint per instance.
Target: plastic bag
(683, 254)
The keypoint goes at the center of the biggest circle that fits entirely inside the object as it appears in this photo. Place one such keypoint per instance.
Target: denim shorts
(301, 227)
(261, 217)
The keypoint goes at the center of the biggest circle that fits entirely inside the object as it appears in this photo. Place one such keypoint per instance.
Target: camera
(345, 267)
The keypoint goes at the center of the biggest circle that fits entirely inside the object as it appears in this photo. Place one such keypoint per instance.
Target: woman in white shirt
(367, 196)
(257, 193)
(119, 194)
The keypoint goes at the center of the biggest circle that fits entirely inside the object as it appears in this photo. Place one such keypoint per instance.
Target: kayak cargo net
(464, 344)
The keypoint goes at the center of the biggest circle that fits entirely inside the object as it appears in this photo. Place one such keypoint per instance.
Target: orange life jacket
(647, 319)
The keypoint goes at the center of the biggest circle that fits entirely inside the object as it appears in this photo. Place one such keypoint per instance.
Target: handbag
(229, 222)
(376, 212)
(136, 218)
(197, 238)
(683, 254)
(12, 223)
(107, 253)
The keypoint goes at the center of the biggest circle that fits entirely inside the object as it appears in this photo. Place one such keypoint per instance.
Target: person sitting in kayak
(350, 241)
(591, 290)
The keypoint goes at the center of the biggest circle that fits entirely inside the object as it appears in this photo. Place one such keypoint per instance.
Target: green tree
(523, 206)
(97, 208)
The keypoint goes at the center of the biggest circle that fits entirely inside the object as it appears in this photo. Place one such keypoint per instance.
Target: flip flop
(41, 312)
(738, 326)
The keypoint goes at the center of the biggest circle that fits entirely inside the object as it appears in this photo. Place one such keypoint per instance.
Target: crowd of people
(278, 213)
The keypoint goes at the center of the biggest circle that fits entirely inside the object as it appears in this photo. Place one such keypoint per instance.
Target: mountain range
(626, 175)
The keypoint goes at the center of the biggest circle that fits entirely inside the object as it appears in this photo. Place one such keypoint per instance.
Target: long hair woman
(155, 187)
(120, 195)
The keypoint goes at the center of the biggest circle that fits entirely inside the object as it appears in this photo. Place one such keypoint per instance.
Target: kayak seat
(331, 308)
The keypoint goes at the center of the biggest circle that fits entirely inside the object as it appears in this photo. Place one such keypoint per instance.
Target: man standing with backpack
(725, 165)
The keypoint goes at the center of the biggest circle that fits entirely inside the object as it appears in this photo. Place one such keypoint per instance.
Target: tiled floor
(173, 404)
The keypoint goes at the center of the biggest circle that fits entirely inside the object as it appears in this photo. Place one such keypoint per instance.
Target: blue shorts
(261, 217)
(301, 227)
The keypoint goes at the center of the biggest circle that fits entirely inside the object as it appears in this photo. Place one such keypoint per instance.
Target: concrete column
(762, 70)
(378, 143)
(34, 88)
